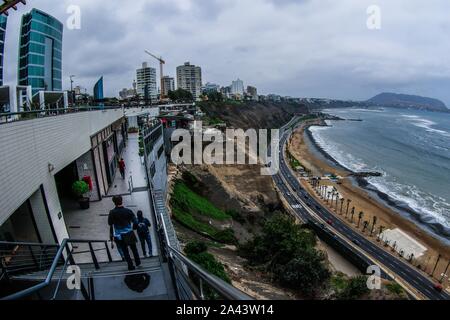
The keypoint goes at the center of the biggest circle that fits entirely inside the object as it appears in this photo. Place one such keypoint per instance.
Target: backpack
(142, 227)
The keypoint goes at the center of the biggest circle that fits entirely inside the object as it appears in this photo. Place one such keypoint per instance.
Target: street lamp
(71, 82)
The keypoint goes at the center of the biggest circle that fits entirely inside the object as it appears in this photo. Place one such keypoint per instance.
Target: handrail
(47, 280)
(58, 256)
(34, 244)
(65, 110)
(224, 289)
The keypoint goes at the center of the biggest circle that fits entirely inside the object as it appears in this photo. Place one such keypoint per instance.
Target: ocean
(410, 148)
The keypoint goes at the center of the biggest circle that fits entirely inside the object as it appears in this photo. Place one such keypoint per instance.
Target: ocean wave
(425, 124)
(345, 159)
(431, 208)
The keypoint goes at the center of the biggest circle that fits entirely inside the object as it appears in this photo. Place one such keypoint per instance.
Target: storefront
(107, 146)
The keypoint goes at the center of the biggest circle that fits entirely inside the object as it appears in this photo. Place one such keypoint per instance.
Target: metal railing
(63, 257)
(190, 280)
(7, 117)
(16, 258)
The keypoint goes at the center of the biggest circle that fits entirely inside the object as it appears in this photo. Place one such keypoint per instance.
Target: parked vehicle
(438, 287)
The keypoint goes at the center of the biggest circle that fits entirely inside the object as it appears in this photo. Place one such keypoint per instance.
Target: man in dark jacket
(121, 221)
(143, 230)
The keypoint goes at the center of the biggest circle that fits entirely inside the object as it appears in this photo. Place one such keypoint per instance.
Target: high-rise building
(237, 87)
(98, 90)
(168, 85)
(40, 52)
(3, 20)
(189, 77)
(146, 83)
(252, 92)
(210, 87)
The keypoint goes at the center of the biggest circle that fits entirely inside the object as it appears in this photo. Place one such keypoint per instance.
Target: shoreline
(433, 228)
(319, 163)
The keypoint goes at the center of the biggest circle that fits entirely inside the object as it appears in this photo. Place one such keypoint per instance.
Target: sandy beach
(308, 154)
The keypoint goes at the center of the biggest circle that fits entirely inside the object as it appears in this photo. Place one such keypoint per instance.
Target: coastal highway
(310, 210)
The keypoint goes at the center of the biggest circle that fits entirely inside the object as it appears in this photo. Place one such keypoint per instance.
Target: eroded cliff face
(256, 115)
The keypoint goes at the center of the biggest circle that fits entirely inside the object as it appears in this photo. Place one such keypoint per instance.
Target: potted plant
(80, 188)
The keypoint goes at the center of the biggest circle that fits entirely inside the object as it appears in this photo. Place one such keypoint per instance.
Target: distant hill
(408, 101)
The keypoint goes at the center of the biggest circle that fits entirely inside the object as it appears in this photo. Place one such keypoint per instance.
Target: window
(160, 151)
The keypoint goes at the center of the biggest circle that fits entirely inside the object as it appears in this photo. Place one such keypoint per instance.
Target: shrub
(195, 247)
(79, 188)
(196, 251)
(210, 264)
(288, 251)
(236, 215)
(355, 288)
(226, 236)
(280, 241)
(306, 272)
(395, 288)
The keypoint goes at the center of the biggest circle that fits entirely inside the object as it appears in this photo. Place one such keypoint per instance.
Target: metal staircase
(44, 272)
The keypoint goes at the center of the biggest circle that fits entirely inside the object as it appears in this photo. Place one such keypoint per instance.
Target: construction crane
(8, 4)
(161, 71)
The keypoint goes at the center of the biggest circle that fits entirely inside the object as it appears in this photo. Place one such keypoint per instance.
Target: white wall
(27, 148)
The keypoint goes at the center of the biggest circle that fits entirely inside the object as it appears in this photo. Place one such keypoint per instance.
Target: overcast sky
(302, 48)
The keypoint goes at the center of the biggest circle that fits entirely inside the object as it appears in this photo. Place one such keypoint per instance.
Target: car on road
(438, 287)
(330, 222)
(355, 241)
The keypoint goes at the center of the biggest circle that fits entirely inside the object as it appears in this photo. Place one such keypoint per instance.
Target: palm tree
(380, 232)
(336, 200)
(353, 213)
(348, 203)
(365, 225)
(374, 222)
(342, 202)
(360, 216)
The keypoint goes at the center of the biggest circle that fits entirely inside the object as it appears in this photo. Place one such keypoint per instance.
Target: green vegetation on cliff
(287, 251)
(193, 211)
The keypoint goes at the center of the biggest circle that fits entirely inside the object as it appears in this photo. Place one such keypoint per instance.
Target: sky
(300, 48)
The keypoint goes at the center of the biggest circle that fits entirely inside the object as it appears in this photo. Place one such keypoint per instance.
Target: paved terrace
(93, 224)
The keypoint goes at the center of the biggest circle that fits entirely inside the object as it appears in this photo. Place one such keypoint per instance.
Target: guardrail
(64, 256)
(190, 280)
(7, 117)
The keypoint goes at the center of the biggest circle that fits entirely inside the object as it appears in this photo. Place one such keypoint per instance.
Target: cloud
(298, 48)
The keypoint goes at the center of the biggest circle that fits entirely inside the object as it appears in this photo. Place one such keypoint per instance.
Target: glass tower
(40, 52)
(98, 90)
(3, 20)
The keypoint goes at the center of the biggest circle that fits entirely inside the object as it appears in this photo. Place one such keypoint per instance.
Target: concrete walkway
(92, 224)
(134, 169)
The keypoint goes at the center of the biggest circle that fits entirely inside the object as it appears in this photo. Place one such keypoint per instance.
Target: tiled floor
(92, 224)
(133, 168)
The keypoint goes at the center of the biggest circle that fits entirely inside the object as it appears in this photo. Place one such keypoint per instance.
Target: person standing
(122, 168)
(121, 221)
(143, 230)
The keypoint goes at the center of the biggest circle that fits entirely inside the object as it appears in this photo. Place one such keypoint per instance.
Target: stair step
(107, 269)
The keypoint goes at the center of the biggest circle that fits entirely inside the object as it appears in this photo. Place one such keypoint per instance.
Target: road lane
(285, 181)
